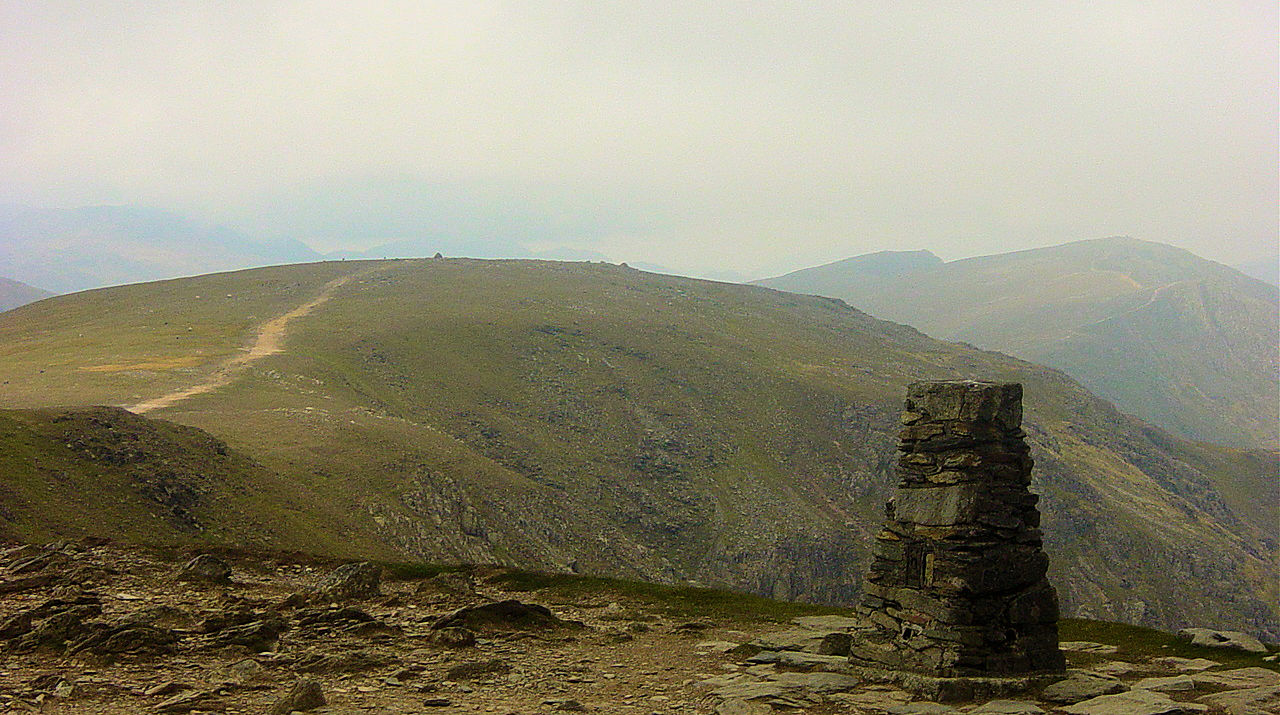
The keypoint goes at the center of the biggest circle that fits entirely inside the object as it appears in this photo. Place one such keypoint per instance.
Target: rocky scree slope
(593, 418)
(1180, 341)
(94, 627)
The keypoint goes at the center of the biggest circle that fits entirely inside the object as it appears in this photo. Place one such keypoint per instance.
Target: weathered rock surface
(1082, 685)
(205, 568)
(1253, 677)
(1185, 665)
(1172, 684)
(1134, 702)
(351, 582)
(501, 615)
(304, 696)
(1249, 701)
(1007, 707)
(1229, 640)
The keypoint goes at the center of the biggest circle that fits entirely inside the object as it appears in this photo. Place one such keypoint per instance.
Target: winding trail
(268, 341)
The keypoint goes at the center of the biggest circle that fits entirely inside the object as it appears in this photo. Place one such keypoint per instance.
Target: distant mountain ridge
(1176, 339)
(15, 293)
(65, 250)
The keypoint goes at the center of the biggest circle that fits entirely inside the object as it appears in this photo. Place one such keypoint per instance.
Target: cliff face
(591, 418)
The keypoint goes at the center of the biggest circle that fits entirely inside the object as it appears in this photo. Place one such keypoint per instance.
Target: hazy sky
(756, 137)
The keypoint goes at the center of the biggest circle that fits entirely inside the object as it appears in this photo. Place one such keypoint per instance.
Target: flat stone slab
(794, 639)
(1007, 707)
(829, 623)
(1134, 702)
(799, 659)
(949, 690)
(875, 701)
(1252, 677)
(1231, 640)
(1082, 685)
(1250, 701)
(1087, 647)
(819, 682)
(767, 692)
(715, 646)
(1185, 665)
(1120, 667)
(1171, 684)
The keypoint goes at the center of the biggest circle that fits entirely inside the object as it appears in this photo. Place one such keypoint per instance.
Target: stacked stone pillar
(957, 587)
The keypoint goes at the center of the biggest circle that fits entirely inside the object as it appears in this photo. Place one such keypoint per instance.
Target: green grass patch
(676, 601)
(401, 571)
(1137, 643)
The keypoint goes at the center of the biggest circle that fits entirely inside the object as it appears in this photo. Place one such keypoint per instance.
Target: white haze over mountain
(699, 136)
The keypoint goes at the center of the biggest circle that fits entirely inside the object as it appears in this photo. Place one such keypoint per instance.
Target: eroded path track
(268, 340)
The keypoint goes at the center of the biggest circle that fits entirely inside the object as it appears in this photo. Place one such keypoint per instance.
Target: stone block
(967, 400)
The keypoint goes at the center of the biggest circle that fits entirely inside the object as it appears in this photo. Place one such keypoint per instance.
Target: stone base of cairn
(957, 588)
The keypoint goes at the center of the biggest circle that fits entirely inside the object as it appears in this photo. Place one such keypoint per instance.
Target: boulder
(351, 582)
(453, 637)
(205, 568)
(501, 615)
(1082, 685)
(1250, 701)
(1134, 702)
(257, 636)
(1230, 640)
(245, 671)
(305, 695)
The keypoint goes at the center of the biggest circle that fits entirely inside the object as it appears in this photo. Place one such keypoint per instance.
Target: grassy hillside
(1185, 343)
(593, 418)
(107, 472)
(14, 294)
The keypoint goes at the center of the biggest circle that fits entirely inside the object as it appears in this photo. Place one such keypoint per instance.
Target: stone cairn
(957, 587)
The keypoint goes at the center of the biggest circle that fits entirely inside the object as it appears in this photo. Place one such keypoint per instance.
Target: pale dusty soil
(267, 340)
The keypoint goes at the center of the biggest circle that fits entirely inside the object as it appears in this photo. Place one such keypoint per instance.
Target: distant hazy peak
(15, 293)
(881, 264)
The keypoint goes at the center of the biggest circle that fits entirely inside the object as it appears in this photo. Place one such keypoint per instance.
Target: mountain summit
(1180, 341)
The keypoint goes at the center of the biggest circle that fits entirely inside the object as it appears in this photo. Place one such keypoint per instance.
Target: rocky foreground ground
(92, 627)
